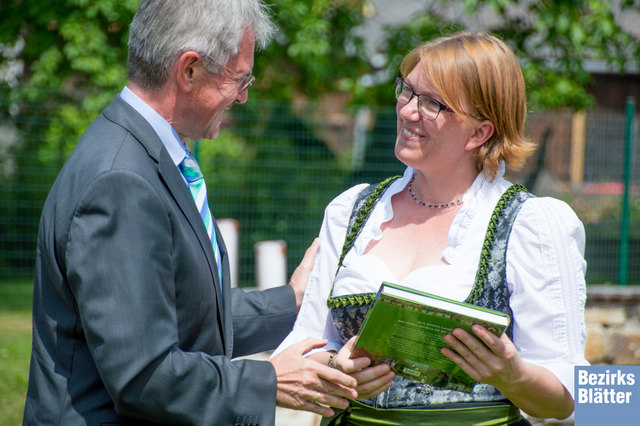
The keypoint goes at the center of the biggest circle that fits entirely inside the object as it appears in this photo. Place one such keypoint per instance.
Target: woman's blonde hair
(478, 71)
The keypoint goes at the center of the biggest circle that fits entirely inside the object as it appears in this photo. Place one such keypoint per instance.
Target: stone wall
(612, 317)
(613, 325)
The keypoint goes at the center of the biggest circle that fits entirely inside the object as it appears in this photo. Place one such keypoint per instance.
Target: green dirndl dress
(408, 402)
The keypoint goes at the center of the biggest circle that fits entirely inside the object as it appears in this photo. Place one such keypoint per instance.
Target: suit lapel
(226, 292)
(122, 113)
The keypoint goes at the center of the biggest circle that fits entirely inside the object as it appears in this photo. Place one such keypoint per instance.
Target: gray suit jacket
(129, 323)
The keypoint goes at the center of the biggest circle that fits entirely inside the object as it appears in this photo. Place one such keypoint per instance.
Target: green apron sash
(363, 415)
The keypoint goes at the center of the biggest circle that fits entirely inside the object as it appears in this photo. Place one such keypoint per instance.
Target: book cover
(406, 328)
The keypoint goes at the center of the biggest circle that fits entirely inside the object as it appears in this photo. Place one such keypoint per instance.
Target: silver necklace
(432, 206)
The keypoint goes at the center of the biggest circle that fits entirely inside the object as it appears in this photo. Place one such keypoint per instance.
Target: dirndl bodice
(489, 291)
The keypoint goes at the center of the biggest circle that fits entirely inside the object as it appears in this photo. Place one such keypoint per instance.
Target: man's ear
(185, 70)
(483, 132)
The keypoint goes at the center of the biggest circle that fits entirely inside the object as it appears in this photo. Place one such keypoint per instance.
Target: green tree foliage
(554, 39)
(76, 50)
(74, 58)
(79, 47)
(314, 50)
(74, 61)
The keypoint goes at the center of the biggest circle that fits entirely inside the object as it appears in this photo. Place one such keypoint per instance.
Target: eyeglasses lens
(427, 107)
(246, 82)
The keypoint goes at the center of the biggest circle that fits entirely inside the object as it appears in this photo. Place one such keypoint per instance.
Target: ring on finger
(317, 398)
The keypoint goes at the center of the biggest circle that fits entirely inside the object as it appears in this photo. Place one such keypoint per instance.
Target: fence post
(229, 228)
(624, 223)
(578, 138)
(271, 263)
(363, 122)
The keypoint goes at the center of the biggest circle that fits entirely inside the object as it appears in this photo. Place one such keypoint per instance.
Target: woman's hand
(355, 362)
(489, 359)
(485, 357)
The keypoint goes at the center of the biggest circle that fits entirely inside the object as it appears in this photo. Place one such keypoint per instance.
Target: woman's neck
(441, 188)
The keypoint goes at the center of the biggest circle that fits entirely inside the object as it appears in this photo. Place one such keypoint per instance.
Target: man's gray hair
(162, 30)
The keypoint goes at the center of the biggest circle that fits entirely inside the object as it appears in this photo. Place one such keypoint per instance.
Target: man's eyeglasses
(243, 82)
(428, 107)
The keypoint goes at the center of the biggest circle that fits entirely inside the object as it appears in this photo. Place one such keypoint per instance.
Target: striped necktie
(195, 181)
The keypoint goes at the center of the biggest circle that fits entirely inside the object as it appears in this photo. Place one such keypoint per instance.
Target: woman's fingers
(373, 380)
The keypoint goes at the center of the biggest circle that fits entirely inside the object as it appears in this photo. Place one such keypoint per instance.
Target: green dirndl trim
(359, 414)
(361, 214)
(358, 218)
(489, 238)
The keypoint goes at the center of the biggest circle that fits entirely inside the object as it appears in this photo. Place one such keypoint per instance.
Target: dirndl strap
(359, 414)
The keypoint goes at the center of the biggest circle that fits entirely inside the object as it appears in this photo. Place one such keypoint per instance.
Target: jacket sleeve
(261, 319)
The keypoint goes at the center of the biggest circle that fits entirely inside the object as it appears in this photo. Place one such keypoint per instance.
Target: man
(134, 318)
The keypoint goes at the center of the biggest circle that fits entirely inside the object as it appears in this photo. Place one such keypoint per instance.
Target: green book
(406, 328)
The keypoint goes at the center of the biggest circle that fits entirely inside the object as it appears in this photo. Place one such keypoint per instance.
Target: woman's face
(432, 145)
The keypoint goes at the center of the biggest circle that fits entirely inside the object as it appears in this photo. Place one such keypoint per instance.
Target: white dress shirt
(545, 271)
(165, 131)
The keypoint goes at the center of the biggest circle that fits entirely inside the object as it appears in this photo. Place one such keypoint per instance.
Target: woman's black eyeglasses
(428, 107)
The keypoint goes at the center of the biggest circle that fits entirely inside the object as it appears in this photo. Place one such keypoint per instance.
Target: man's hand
(305, 384)
(300, 277)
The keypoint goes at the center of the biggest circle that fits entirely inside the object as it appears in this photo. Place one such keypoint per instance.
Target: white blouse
(545, 271)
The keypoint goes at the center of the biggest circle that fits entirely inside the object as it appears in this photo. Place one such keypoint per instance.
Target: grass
(15, 348)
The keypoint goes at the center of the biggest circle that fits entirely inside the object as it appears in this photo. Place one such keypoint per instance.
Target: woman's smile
(408, 134)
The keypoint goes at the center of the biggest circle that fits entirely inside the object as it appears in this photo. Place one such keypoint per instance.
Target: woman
(461, 112)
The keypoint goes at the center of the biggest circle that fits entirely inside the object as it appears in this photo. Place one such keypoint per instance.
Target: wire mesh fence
(276, 166)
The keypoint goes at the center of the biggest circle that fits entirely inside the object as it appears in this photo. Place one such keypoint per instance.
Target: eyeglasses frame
(401, 81)
(245, 81)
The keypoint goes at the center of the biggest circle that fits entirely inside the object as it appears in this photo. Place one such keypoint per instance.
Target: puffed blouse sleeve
(546, 276)
(314, 318)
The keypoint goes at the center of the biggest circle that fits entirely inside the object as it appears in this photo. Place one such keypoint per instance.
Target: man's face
(213, 94)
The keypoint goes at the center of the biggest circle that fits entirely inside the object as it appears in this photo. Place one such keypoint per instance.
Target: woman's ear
(483, 132)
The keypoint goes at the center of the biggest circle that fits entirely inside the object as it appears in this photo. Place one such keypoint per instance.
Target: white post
(229, 229)
(271, 263)
(363, 122)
